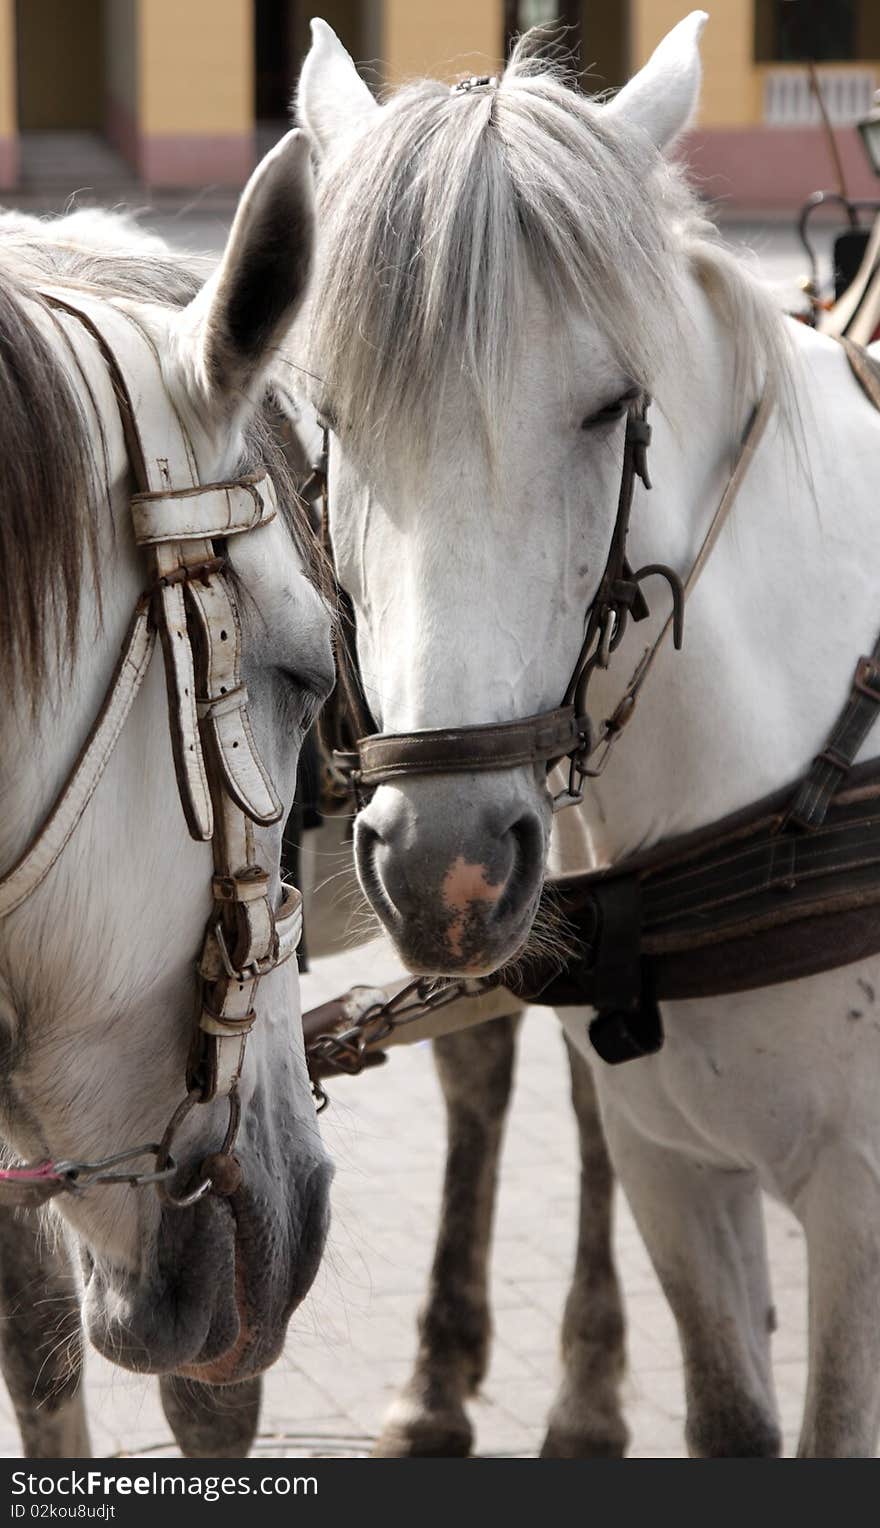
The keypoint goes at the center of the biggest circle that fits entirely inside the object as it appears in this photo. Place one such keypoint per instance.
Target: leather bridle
(565, 732)
(182, 526)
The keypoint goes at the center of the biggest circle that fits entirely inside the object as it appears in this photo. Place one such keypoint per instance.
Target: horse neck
(782, 611)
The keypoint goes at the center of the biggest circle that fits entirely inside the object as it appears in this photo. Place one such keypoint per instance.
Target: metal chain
(347, 1050)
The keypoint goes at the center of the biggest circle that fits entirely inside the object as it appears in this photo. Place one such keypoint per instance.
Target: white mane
(434, 221)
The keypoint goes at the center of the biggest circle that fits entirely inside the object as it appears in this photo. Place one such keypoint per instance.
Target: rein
(181, 526)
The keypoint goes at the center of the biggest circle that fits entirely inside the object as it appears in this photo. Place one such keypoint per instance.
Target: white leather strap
(219, 509)
(223, 785)
(222, 701)
(50, 839)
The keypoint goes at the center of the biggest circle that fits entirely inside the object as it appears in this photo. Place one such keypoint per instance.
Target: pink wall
(774, 167)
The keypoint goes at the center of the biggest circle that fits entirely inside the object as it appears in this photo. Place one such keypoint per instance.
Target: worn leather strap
(862, 707)
(496, 745)
(830, 768)
(222, 699)
(223, 785)
(56, 829)
(864, 367)
(197, 514)
(736, 906)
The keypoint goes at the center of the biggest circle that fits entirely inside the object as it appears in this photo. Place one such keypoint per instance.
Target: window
(794, 31)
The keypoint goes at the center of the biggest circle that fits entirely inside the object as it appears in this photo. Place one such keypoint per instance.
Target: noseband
(565, 732)
(182, 527)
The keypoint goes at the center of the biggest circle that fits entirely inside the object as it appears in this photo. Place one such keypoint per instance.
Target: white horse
(501, 267)
(98, 965)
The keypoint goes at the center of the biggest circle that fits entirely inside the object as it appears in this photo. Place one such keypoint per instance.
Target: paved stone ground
(352, 1341)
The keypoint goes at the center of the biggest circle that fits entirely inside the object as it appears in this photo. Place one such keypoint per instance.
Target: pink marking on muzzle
(463, 885)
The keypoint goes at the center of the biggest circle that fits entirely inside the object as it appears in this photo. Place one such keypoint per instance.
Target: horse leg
(428, 1418)
(586, 1421)
(211, 1421)
(840, 1210)
(41, 1345)
(704, 1230)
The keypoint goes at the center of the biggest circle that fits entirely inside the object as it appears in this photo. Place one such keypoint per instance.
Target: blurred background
(146, 100)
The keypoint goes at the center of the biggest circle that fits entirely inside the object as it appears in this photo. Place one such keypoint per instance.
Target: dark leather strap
(442, 750)
(737, 906)
(830, 768)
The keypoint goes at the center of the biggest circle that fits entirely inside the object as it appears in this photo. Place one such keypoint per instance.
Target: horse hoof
(571, 1445)
(425, 1438)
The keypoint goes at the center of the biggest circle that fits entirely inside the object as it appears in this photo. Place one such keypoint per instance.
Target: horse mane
(53, 471)
(439, 214)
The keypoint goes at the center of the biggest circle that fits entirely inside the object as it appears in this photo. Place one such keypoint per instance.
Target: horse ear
(332, 99)
(663, 97)
(250, 302)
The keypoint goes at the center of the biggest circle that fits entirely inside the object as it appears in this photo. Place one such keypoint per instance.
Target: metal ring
(163, 1158)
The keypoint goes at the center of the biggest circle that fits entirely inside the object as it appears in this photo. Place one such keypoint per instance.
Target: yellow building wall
(8, 101)
(731, 84)
(196, 67)
(449, 39)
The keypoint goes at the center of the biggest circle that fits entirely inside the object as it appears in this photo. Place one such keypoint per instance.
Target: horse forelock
(437, 219)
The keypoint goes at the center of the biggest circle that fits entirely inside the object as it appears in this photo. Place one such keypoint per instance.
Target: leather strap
(55, 831)
(860, 712)
(739, 905)
(864, 367)
(625, 708)
(496, 745)
(197, 514)
(830, 768)
(223, 785)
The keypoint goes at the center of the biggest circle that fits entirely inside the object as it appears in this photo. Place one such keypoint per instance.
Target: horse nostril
(527, 849)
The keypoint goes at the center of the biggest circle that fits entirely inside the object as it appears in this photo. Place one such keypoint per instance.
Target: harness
(785, 888)
(189, 604)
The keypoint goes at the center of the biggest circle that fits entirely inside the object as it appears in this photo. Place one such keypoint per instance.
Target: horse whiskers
(552, 938)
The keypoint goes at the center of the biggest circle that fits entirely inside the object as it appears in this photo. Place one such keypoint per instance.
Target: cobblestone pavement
(352, 1341)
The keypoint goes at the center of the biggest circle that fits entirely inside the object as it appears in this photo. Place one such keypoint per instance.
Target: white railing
(789, 100)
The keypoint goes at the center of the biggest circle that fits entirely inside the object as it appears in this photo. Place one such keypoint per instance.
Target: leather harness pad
(749, 902)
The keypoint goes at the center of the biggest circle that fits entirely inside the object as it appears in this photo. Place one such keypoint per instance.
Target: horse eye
(611, 411)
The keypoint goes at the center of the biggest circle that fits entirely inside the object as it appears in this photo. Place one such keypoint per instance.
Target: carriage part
(182, 526)
(853, 211)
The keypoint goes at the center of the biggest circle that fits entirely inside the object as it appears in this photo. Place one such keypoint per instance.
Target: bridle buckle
(254, 969)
